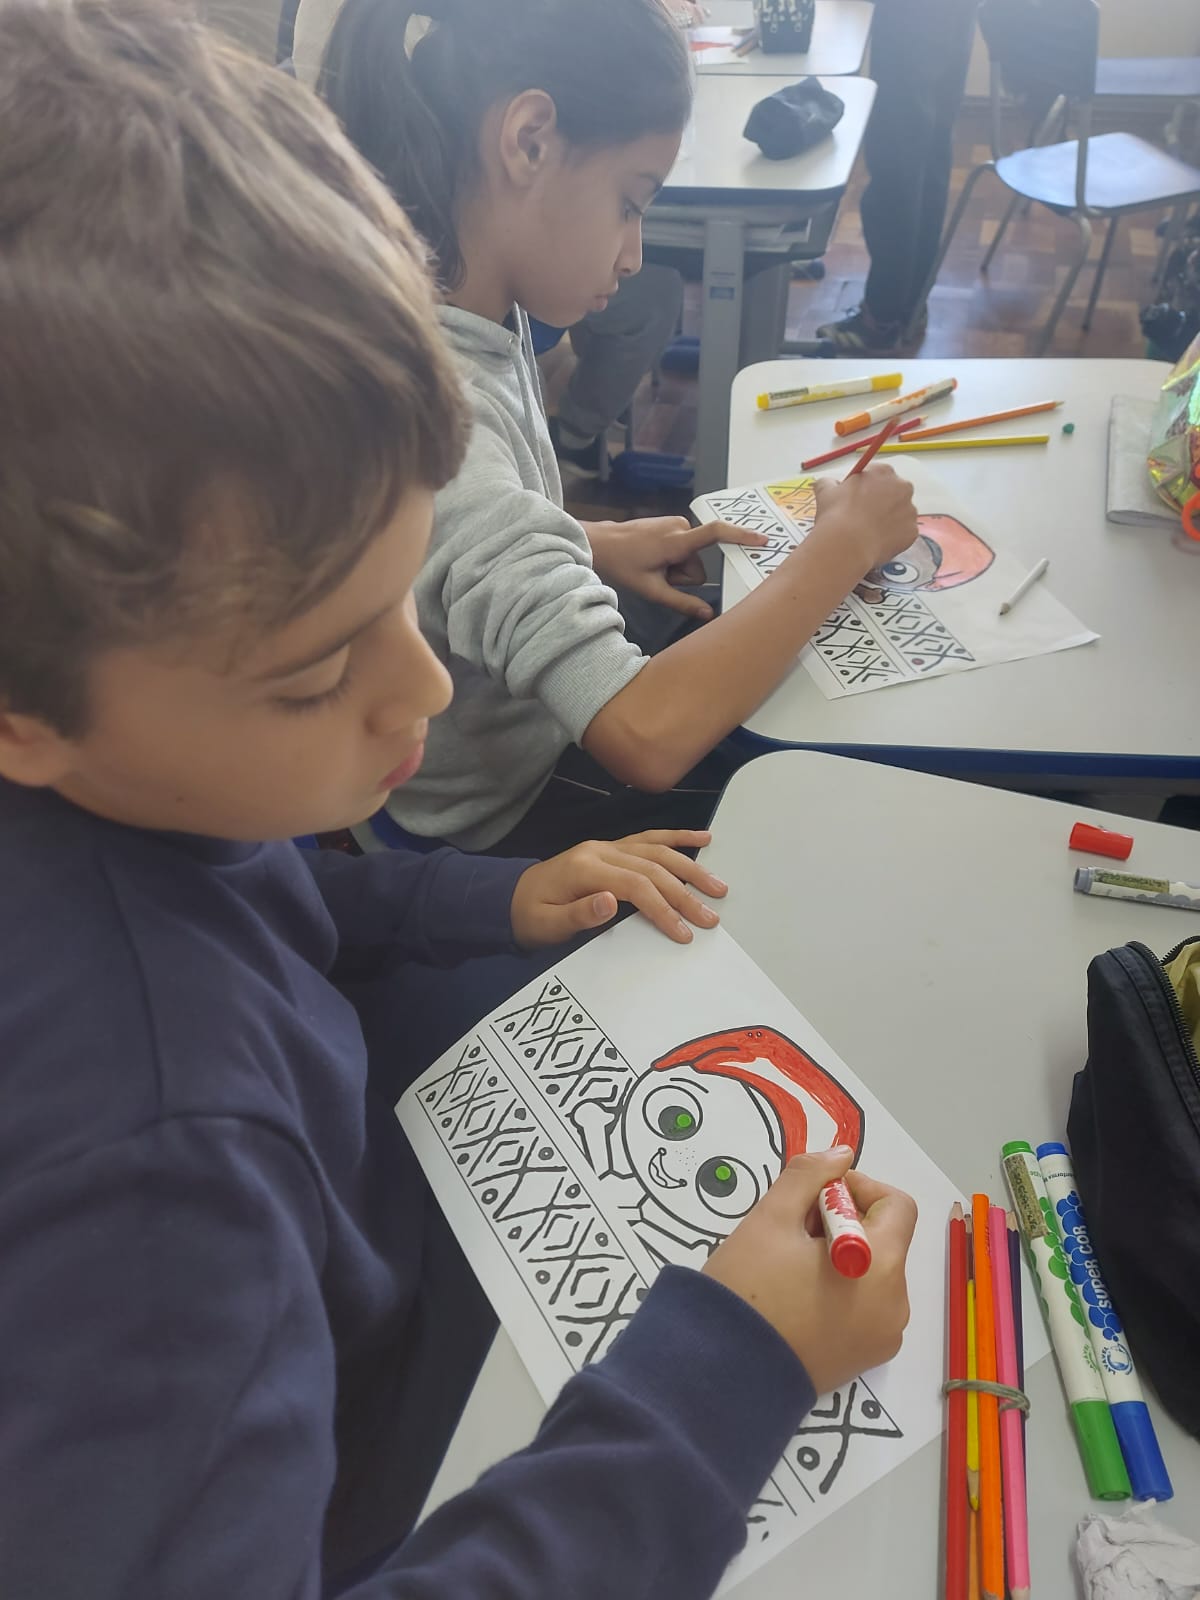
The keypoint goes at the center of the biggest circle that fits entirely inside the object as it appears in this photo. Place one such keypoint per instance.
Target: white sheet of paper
(541, 1135)
(933, 609)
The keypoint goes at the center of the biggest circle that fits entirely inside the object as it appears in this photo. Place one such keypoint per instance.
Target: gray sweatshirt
(510, 604)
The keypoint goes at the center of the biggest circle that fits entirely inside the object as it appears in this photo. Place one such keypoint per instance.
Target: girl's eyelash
(315, 702)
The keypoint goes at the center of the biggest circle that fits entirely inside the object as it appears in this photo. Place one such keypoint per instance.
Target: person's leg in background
(920, 50)
(615, 348)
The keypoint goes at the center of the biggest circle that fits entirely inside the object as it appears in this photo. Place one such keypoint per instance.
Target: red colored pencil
(881, 438)
(957, 1509)
(858, 444)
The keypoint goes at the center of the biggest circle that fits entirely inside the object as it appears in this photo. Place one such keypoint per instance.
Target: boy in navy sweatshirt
(234, 1331)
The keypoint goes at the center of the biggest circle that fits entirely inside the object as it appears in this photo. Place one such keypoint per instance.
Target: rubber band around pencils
(1010, 1399)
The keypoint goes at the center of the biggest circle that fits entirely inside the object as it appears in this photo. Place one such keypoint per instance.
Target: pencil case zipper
(1178, 1049)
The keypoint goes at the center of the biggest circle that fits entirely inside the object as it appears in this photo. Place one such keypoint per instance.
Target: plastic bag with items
(1174, 459)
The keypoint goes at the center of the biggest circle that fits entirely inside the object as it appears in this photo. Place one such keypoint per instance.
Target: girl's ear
(528, 136)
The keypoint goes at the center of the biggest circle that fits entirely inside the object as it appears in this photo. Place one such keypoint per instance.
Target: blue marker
(1130, 1414)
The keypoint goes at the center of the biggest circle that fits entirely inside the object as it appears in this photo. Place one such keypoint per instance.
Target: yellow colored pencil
(913, 445)
(972, 1403)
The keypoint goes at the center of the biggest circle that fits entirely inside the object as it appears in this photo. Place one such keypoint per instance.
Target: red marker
(849, 1247)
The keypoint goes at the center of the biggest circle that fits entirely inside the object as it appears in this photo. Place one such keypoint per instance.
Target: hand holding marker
(1131, 1417)
(849, 1247)
(1066, 1325)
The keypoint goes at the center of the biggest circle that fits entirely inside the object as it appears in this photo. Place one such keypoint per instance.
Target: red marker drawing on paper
(849, 1247)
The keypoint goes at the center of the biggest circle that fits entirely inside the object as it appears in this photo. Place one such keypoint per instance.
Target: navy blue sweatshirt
(222, 1275)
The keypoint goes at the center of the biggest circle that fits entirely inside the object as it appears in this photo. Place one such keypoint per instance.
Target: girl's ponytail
(389, 107)
(414, 101)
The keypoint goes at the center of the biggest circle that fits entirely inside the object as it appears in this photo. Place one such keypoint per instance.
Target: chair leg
(1068, 283)
(956, 217)
(1009, 213)
(1101, 267)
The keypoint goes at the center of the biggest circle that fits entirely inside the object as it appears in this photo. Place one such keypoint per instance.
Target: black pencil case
(1134, 1132)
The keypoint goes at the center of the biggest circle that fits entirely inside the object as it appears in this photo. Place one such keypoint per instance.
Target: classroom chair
(1045, 55)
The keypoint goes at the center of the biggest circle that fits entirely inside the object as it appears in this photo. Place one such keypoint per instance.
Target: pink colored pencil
(1012, 1443)
(857, 445)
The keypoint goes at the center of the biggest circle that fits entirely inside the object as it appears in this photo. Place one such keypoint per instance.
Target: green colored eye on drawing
(677, 1122)
(727, 1186)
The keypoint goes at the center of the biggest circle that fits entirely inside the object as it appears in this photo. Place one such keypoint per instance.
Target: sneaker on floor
(858, 333)
(583, 459)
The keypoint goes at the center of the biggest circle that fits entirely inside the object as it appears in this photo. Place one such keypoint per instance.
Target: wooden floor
(969, 315)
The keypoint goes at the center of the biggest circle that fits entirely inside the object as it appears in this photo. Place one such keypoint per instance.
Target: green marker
(1066, 1325)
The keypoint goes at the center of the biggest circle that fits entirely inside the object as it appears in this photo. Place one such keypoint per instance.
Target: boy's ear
(31, 751)
(528, 129)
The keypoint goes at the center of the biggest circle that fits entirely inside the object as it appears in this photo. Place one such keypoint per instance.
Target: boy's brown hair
(219, 363)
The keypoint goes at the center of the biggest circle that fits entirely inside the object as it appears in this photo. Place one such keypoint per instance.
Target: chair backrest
(1043, 54)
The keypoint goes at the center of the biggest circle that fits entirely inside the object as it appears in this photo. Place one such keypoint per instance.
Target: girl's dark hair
(616, 70)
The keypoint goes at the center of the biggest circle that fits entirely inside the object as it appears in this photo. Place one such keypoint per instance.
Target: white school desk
(1113, 715)
(841, 29)
(724, 199)
(928, 929)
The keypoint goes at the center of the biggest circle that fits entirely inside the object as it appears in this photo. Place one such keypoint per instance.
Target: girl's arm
(688, 698)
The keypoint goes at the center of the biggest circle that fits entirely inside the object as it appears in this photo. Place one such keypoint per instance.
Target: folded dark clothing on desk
(793, 119)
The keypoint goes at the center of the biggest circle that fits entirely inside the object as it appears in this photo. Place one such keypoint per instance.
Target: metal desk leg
(720, 340)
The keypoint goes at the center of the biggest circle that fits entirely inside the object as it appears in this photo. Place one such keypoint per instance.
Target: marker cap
(1102, 1459)
(851, 1256)
(764, 402)
(1101, 841)
(1139, 1445)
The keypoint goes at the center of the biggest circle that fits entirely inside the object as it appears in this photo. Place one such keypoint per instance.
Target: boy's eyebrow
(313, 658)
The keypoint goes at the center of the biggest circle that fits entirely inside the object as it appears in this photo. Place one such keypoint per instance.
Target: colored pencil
(972, 1401)
(1026, 583)
(966, 444)
(991, 1517)
(868, 455)
(993, 416)
(859, 444)
(1014, 1276)
(956, 1413)
(1012, 1444)
(973, 1558)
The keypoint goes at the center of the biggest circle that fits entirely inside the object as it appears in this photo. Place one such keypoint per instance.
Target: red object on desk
(858, 444)
(1101, 841)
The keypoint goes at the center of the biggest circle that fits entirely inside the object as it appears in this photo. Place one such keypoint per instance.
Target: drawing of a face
(709, 1127)
(677, 1137)
(946, 555)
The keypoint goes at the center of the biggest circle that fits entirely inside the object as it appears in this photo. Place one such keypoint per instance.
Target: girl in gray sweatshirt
(527, 138)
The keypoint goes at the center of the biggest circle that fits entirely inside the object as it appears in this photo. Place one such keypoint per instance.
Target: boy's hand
(581, 888)
(777, 1260)
(658, 556)
(874, 511)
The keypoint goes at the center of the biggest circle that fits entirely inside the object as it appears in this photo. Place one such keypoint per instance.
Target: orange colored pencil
(973, 1558)
(991, 1515)
(977, 422)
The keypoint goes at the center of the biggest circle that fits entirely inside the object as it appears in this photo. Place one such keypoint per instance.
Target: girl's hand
(581, 888)
(777, 1260)
(873, 511)
(658, 556)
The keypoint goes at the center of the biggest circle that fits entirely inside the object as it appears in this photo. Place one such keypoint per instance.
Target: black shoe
(860, 334)
(584, 459)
